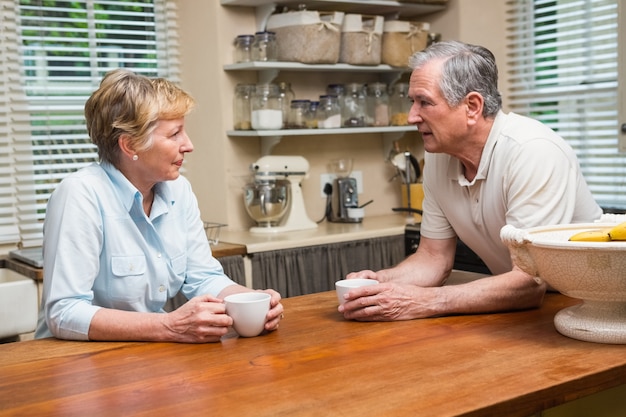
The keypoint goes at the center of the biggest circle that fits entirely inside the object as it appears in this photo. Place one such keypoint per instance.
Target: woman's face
(163, 160)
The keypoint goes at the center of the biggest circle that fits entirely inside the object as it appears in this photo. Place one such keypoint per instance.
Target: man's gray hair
(467, 68)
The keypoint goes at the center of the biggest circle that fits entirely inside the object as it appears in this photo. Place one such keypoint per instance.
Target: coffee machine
(274, 197)
(344, 193)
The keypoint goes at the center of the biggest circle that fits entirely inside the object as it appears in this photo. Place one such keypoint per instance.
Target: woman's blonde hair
(132, 104)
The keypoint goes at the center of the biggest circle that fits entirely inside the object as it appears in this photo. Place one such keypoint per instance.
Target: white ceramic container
(594, 272)
(18, 304)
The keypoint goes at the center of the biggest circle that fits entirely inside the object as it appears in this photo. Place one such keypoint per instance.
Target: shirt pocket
(179, 265)
(122, 266)
(129, 282)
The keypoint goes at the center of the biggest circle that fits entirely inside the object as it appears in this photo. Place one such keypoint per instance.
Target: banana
(618, 232)
(593, 236)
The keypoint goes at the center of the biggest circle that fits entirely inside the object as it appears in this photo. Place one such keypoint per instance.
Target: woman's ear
(125, 146)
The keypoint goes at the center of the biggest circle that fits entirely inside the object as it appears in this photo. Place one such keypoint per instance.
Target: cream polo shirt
(528, 176)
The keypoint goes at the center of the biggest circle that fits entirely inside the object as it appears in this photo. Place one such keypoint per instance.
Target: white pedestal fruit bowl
(594, 272)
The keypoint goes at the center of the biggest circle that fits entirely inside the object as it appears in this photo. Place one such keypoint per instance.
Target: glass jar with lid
(298, 114)
(328, 112)
(242, 106)
(399, 105)
(311, 118)
(243, 48)
(337, 90)
(353, 113)
(264, 46)
(286, 96)
(265, 108)
(377, 105)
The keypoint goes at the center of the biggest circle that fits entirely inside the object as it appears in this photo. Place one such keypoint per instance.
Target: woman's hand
(276, 313)
(200, 320)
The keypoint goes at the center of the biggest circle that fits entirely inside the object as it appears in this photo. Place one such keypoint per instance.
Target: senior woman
(123, 235)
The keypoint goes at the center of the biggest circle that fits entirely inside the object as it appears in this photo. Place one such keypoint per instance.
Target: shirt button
(158, 255)
(162, 288)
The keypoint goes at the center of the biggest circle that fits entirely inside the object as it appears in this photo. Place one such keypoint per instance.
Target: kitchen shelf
(314, 132)
(270, 138)
(377, 7)
(297, 66)
(268, 70)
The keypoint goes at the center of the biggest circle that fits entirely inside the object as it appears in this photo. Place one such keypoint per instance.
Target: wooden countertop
(22, 268)
(223, 249)
(317, 363)
(325, 233)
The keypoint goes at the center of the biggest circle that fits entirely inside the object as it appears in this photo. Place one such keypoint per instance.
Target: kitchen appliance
(274, 197)
(344, 193)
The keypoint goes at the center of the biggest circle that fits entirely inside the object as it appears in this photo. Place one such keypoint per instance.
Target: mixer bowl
(267, 202)
(594, 272)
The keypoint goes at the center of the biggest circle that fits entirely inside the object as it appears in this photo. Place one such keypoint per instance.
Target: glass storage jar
(298, 114)
(266, 111)
(286, 96)
(399, 105)
(339, 91)
(243, 48)
(311, 118)
(241, 106)
(377, 105)
(353, 113)
(328, 112)
(264, 46)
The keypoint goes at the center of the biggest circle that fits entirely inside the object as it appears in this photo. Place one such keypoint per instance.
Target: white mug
(248, 311)
(345, 285)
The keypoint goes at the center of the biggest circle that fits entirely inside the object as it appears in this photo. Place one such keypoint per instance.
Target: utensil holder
(416, 191)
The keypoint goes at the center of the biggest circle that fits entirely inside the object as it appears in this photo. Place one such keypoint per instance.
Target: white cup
(356, 212)
(248, 311)
(345, 285)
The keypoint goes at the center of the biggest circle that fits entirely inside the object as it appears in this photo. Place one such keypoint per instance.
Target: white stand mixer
(293, 169)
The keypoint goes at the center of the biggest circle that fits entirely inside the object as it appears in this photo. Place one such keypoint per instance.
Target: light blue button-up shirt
(101, 250)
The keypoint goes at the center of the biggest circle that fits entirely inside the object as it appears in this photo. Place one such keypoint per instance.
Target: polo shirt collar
(455, 168)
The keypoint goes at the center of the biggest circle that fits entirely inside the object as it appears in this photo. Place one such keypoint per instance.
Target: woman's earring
(135, 157)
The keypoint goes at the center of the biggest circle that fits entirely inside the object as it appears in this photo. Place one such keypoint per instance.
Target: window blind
(564, 72)
(10, 98)
(65, 48)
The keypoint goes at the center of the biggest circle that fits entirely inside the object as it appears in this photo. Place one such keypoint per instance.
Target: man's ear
(474, 102)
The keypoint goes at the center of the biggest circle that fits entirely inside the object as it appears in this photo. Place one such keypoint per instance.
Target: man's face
(442, 127)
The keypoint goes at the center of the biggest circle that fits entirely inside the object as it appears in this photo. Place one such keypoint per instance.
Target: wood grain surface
(318, 364)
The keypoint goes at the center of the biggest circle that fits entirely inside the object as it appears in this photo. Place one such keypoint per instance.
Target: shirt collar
(455, 168)
(128, 193)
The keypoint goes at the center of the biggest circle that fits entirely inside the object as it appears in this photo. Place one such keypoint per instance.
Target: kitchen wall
(218, 167)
